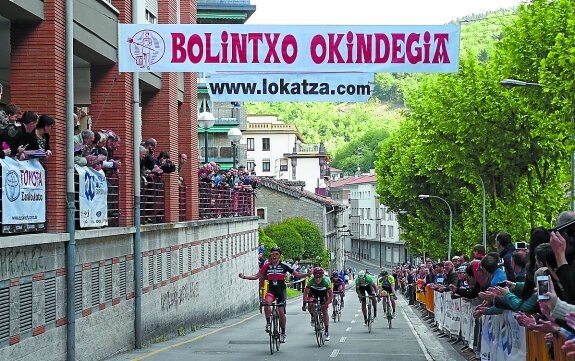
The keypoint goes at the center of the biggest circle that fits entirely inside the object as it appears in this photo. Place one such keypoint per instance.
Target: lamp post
(206, 120)
(426, 196)
(511, 83)
(341, 233)
(234, 135)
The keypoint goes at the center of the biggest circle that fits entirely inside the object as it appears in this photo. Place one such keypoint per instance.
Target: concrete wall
(271, 201)
(185, 268)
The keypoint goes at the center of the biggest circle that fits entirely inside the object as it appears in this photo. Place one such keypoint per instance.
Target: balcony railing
(222, 202)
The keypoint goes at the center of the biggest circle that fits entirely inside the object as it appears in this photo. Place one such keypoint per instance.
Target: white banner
(467, 322)
(502, 338)
(23, 192)
(290, 87)
(455, 325)
(288, 48)
(93, 193)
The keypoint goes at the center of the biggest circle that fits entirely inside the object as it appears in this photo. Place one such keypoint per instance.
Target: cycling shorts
(385, 291)
(321, 295)
(364, 289)
(277, 291)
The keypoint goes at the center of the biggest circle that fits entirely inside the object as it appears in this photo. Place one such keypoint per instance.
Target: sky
(369, 12)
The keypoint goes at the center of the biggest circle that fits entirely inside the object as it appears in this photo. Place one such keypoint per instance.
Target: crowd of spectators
(211, 173)
(506, 279)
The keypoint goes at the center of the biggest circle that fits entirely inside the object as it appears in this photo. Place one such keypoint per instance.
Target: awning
(217, 129)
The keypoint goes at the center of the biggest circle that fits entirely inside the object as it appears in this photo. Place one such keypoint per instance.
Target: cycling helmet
(334, 274)
(361, 274)
(384, 273)
(318, 271)
(276, 249)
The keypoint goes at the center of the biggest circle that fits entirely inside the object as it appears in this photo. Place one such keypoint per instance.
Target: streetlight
(206, 120)
(379, 236)
(511, 83)
(234, 135)
(426, 196)
(281, 215)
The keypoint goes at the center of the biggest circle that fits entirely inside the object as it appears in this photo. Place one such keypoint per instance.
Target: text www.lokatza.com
(283, 87)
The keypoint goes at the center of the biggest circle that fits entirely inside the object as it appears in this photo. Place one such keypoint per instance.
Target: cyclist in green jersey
(319, 287)
(365, 284)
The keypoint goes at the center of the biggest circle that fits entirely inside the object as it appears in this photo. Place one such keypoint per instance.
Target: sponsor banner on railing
(290, 87)
(288, 48)
(23, 192)
(502, 338)
(93, 194)
(467, 322)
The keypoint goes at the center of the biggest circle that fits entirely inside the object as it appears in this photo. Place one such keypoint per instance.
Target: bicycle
(370, 319)
(274, 331)
(318, 321)
(336, 315)
(388, 309)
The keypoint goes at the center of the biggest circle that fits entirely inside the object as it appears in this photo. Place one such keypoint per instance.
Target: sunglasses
(275, 254)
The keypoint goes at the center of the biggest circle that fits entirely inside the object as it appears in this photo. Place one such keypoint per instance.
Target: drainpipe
(71, 225)
(137, 236)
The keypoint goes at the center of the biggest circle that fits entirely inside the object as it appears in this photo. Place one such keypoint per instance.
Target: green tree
(311, 235)
(288, 238)
(267, 241)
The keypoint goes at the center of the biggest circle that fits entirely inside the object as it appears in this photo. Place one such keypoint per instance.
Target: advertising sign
(93, 193)
(23, 192)
(288, 48)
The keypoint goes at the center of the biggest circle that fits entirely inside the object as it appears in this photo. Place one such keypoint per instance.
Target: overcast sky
(370, 12)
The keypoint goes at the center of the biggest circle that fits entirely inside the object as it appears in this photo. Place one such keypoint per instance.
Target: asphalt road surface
(243, 338)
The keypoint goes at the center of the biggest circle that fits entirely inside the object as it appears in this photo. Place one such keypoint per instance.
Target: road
(243, 339)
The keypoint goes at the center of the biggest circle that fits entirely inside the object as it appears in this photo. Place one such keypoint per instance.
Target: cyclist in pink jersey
(275, 272)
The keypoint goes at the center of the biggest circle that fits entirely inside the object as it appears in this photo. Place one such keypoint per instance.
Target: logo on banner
(90, 191)
(12, 186)
(147, 47)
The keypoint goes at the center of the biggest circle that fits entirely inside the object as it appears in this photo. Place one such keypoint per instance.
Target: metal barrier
(182, 200)
(222, 202)
(152, 199)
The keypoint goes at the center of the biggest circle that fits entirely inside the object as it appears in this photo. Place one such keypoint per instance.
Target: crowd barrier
(500, 337)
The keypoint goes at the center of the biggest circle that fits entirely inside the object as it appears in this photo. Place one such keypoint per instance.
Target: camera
(502, 284)
(150, 151)
(542, 287)
(520, 245)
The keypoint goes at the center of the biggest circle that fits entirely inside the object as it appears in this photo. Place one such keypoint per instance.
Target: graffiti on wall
(178, 294)
(21, 261)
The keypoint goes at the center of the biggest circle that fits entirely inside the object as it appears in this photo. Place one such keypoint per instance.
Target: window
(250, 165)
(251, 144)
(265, 144)
(151, 18)
(261, 213)
(266, 166)
(383, 234)
(283, 165)
(390, 231)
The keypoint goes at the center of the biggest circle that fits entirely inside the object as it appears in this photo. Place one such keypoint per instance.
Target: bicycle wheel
(276, 329)
(338, 312)
(322, 329)
(318, 333)
(369, 320)
(389, 313)
(272, 342)
(335, 309)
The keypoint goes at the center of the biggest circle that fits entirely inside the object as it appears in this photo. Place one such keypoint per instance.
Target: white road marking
(334, 353)
(352, 321)
(348, 329)
(421, 345)
(342, 339)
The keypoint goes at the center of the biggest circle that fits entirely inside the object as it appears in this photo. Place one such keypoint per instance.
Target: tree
(288, 238)
(267, 241)
(311, 235)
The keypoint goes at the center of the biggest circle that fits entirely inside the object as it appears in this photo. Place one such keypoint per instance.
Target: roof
(363, 179)
(295, 189)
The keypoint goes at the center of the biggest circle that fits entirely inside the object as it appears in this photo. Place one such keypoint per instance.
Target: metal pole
(483, 215)
(205, 146)
(379, 231)
(450, 225)
(233, 155)
(71, 209)
(138, 257)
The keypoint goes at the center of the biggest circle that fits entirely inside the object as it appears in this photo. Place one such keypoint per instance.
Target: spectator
(112, 145)
(505, 248)
(563, 246)
(450, 275)
(182, 159)
(17, 133)
(13, 114)
(83, 146)
(519, 261)
(39, 138)
(489, 266)
(165, 163)
(478, 252)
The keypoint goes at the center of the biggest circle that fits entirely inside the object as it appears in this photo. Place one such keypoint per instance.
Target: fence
(221, 202)
(497, 337)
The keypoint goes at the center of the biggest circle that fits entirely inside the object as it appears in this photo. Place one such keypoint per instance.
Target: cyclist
(338, 286)
(365, 284)
(275, 272)
(319, 287)
(387, 283)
